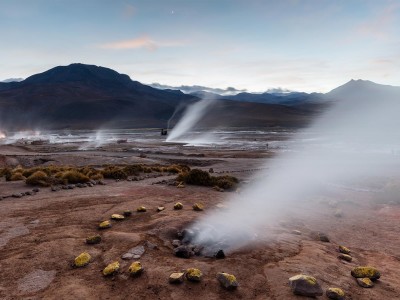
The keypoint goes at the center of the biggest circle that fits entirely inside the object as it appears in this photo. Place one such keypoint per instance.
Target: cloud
(144, 42)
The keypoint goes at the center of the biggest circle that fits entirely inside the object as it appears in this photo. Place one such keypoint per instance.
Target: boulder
(345, 257)
(220, 254)
(178, 206)
(135, 269)
(335, 294)
(82, 260)
(105, 224)
(193, 274)
(94, 239)
(111, 269)
(344, 250)
(365, 282)
(117, 217)
(228, 281)
(305, 285)
(141, 209)
(183, 251)
(198, 207)
(366, 272)
(176, 278)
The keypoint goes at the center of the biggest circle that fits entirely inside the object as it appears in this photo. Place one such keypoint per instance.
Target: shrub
(75, 177)
(133, 170)
(17, 176)
(38, 178)
(114, 173)
(203, 178)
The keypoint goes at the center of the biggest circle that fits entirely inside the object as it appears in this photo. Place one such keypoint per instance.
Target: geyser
(192, 116)
(356, 139)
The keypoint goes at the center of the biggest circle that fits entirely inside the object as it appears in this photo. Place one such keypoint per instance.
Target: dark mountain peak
(78, 73)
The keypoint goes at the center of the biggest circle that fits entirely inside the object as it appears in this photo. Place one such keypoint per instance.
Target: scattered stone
(220, 254)
(105, 224)
(305, 285)
(183, 251)
(83, 185)
(345, 257)
(101, 182)
(338, 213)
(344, 250)
(89, 184)
(335, 294)
(94, 239)
(71, 186)
(55, 189)
(187, 235)
(366, 272)
(17, 195)
(141, 209)
(193, 274)
(176, 243)
(29, 193)
(64, 187)
(117, 217)
(178, 206)
(151, 245)
(111, 269)
(198, 207)
(176, 278)
(129, 179)
(296, 232)
(211, 170)
(228, 281)
(135, 268)
(218, 189)
(135, 252)
(160, 208)
(365, 282)
(82, 260)
(323, 237)
(127, 213)
(36, 190)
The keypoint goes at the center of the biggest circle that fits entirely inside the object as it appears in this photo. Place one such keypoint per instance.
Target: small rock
(345, 257)
(323, 237)
(111, 269)
(94, 239)
(178, 206)
(305, 285)
(54, 189)
(338, 213)
(198, 207)
(335, 294)
(366, 272)
(160, 208)
(218, 189)
(365, 282)
(29, 193)
(183, 251)
(344, 250)
(296, 232)
(220, 254)
(211, 170)
(176, 278)
(101, 182)
(17, 195)
(89, 184)
(36, 190)
(193, 274)
(141, 209)
(228, 281)
(117, 217)
(127, 213)
(70, 186)
(64, 187)
(176, 243)
(82, 260)
(127, 256)
(135, 268)
(105, 224)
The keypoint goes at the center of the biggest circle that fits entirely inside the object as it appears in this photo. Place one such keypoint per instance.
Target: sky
(253, 45)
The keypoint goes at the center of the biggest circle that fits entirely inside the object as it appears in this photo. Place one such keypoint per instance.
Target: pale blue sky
(307, 45)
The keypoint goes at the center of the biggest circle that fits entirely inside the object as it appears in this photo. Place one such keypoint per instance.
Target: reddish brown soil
(40, 236)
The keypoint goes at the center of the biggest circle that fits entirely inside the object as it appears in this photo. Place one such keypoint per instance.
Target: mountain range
(82, 96)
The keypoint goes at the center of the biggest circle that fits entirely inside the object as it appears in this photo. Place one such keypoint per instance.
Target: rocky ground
(41, 234)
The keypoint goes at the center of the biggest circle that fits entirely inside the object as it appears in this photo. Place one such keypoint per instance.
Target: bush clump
(17, 177)
(114, 172)
(39, 178)
(203, 178)
(75, 177)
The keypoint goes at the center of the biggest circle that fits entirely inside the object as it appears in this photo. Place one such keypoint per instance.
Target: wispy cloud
(141, 42)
